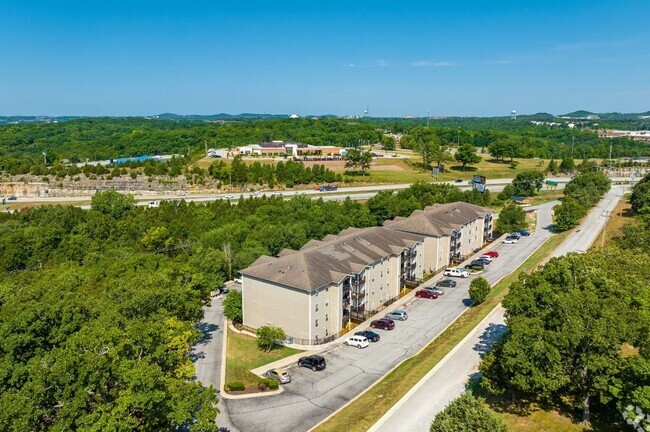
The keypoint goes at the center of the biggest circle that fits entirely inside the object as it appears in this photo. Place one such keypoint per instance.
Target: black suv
(370, 335)
(313, 362)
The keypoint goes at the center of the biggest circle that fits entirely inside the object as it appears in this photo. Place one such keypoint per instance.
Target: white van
(357, 341)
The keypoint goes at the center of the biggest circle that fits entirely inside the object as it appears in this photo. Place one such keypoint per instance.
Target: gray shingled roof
(321, 263)
(439, 219)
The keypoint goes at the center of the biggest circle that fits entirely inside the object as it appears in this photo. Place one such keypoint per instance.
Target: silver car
(280, 375)
(397, 315)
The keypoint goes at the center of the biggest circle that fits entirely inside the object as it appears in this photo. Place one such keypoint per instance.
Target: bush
(235, 386)
(232, 307)
(479, 290)
(267, 383)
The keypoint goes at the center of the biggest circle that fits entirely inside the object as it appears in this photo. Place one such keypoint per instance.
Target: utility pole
(428, 117)
(610, 155)
(206, 147)
(602, 239)
(573, 141)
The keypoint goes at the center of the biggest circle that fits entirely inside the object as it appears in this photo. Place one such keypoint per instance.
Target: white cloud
(429, 63)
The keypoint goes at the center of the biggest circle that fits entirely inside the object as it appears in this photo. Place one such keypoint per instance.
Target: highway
(416, 410)
(354, 192)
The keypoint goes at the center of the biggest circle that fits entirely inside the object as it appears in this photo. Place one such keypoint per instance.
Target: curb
(497, 309)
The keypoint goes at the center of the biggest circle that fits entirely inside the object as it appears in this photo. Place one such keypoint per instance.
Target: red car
(426, 293)
(383, 323)
(493, 254)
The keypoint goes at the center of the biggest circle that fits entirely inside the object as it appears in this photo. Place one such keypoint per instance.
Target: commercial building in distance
(290, 149)
(313, 293)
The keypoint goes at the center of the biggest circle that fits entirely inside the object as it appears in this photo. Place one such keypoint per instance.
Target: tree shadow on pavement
(207, 331)
(491, 334)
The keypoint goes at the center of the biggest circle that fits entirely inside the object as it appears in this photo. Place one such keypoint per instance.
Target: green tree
(528, 183)
(466, 154)
(112, 203)
(567, 165)
(512, 218)
(552, 167)
(361, 159)
(157, 238)
(269, 337)
(479, 289)
(588, 165)
(566, 325)
(568, 214)
(232, 307)
(640, 198)
(466, 414)
(507, 192)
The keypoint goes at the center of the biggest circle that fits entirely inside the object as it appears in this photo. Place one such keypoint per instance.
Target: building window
(327, 332)
(327, 317)
(316, 307)
(381, 288)
(316, 323)
(381, 273)
(327, 303)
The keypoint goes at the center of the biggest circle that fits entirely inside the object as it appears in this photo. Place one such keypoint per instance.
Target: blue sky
(399, 58)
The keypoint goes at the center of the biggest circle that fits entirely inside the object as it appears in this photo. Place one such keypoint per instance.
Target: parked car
(447, 283)
(487, 258)
(475, 266)
(523, 233)
(313, 362)
(438, 290)
(357, 341)
(456, 272)
(492, 253)
(397, 315)
(370, 335)
(383, 323)
(484, 261)
(280, 375)
(223, 289)
(229, 196)
(458, 180)
(426, 293)
(511, 240)
(238, 280)
(515, 234)
(12, 198)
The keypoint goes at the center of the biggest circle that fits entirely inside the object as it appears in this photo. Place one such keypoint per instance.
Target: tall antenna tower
(513, 114)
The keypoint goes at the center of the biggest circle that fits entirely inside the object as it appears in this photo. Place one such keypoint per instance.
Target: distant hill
(578, 114)
(217, 117)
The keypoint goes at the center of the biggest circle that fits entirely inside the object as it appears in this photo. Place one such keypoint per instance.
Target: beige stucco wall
(267, 303)
(382, 281)
(326, 309)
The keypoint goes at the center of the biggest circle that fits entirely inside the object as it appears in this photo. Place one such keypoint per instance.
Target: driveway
(312, 396)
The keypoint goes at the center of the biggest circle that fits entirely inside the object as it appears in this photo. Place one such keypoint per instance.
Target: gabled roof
(439, 219)
(321, 263)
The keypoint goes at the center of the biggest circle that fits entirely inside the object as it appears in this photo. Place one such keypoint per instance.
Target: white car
(456, 272)
(238, 280)
(511, 240)
(357, 341)
(229, 196)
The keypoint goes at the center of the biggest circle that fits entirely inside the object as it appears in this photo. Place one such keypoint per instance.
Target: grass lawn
(621, 215)
(367, 409)
(547, 195)
(242, 355)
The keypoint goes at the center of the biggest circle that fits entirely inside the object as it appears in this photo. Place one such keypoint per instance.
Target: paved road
(494, 185)
(312, 396)
(417, 408)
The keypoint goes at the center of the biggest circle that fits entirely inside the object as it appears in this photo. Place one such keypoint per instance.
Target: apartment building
(452, 231)
(314, 292)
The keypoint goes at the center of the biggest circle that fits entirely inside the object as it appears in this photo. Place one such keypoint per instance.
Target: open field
(242, 355)
(361, 414)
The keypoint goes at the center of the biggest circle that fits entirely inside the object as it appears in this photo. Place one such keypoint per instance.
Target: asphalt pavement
(416, 410)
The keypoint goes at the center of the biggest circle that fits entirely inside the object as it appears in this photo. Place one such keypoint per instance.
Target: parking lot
(312, 396)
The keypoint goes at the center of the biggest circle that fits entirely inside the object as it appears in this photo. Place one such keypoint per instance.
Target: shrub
(267, 383)
(235, 386)
(232, 307)
(479, 290)
(568, 214)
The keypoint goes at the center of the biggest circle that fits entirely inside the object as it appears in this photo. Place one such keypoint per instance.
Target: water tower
(513, 114)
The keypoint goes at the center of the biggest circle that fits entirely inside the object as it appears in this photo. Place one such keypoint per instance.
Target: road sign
(551, 183)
